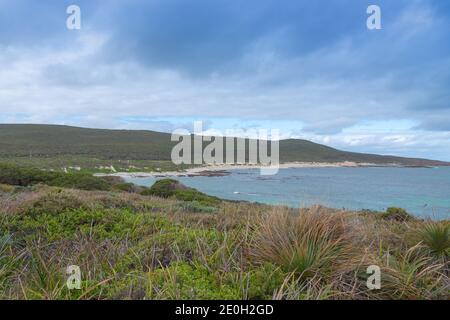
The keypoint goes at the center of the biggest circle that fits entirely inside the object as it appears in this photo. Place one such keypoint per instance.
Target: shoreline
(222, 170)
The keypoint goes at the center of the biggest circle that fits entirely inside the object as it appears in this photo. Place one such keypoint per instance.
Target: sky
(311, 69)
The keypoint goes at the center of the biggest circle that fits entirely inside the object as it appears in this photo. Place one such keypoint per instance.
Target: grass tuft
(310, 243)
(436, 237)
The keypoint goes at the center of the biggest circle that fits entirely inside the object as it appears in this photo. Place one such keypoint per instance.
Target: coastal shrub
(188, 240)
(194, 195)
(112, 180)
(25, 176)
(196, 206)
(66, 224)
(79, 181)
(167, 188)
(52, 202)
(397, 214)
(187, 282)
(264, 281)
(126, 187)
(311, 243)
(169, 243)
(40, 199)
(164, 188)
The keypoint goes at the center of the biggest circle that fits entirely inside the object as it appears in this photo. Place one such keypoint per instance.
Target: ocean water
(424, 192)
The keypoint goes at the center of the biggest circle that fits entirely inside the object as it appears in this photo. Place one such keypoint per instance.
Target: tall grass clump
(307, 244)
(436, 237)
(6, 261)
(412, 275)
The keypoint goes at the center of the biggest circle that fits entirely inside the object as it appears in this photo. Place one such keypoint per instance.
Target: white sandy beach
(203, 170)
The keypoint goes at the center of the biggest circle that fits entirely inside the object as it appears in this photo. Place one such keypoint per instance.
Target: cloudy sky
(309, 68)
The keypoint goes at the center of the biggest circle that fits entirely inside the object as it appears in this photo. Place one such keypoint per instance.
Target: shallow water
(424, 192)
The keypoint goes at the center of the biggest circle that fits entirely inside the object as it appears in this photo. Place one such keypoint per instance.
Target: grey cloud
(331, 126)
(436, 123)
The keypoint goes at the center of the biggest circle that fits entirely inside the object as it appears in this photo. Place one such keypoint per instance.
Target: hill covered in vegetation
(69, 143)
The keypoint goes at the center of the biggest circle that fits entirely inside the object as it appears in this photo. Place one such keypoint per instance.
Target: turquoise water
(425, 192)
